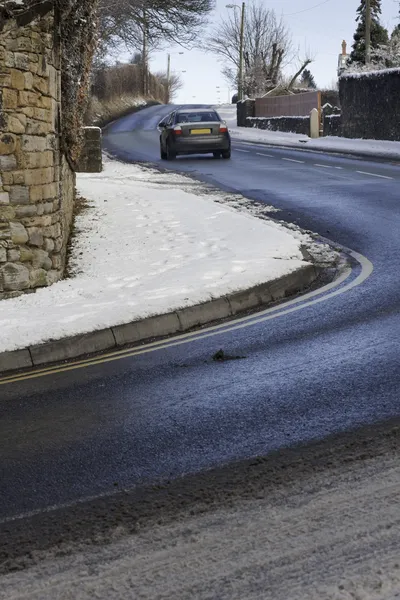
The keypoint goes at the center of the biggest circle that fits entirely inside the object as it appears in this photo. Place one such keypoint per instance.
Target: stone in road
(316, 523)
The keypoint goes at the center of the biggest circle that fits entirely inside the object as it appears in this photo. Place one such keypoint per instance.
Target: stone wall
(299, 125)
(36, 182)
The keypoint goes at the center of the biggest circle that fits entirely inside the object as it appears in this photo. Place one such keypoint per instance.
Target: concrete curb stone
(72, 347)
(175, 322)
(13, 361)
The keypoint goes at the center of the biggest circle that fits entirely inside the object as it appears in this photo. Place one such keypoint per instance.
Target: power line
(307, 9)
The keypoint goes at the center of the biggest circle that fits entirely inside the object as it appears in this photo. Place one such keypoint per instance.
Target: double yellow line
(321, 295)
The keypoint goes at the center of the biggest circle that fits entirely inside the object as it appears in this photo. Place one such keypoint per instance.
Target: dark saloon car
(194, 131)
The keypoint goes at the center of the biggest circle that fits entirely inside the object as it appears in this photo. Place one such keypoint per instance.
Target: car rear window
(198, 117)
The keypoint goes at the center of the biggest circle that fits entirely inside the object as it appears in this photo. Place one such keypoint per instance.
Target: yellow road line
(304, 301)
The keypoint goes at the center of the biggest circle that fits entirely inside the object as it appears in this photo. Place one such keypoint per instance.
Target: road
(330, 367)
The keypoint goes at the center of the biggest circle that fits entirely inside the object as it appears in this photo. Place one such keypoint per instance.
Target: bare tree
(172, 86)
(173, 21)
(267, 43)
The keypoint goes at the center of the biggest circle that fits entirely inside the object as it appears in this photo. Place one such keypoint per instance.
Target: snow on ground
(373, 148)
(150, 243)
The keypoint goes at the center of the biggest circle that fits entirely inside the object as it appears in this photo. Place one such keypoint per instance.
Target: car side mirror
(162, 125)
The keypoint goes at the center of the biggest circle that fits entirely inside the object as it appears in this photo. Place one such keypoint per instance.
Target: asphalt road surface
(328, 367)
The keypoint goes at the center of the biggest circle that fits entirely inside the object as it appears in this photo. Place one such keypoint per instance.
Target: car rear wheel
(163, 154)
(226, 154)
(171, 155)
(217, 154)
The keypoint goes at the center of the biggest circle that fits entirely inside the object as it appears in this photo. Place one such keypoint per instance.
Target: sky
(318, 29)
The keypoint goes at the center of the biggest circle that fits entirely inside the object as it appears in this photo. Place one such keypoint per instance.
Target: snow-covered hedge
(382, 73)
(371, 105)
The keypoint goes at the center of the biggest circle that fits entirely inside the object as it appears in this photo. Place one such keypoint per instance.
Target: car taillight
(178, 130)
(223, 129)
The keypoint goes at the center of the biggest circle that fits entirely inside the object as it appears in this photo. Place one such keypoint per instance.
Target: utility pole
(241, 63)
(167, 94)
(145, 55)
(367, 32)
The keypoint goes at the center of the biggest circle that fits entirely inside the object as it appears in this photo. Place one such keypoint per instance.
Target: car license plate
(200, 131)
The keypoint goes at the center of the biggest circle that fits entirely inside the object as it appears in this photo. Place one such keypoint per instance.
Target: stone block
(33, 143)
(15, 277)
(21, 61)
(28, 80)
(28, 111)
(7, 213)
(5, 233)
(50, 190)
(7, 178)
(26, 254)
(24, 44)
(36, 193)
(10, 99)
(49, 245)
(58, 244)
(8, 163)
(5, 80)
(53, 276)
(28, 99)
(37, 128)
(3, 255)
(54, 83)
(33, 160)
(8, 143)
(41, 260)
(41, 84)
(29, 210)
(47, 159)
(19, 177)
(57, 261)
(17, 79)
(38, 278)
(38, 221)
(39, 176)
(42, 67)
(9, 60)
(4, 198)
(19, 235)
(13, 255)
(46, 102)
(19, 194)
(53, 231)
(35, 236)
(14, 125)
(48, 208)
(41, 114)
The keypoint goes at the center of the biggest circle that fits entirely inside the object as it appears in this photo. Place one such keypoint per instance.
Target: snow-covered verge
(373, 148)
(102, 112)
(150, 243)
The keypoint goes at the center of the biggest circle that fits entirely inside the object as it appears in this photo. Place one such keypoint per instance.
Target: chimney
(344, 48)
